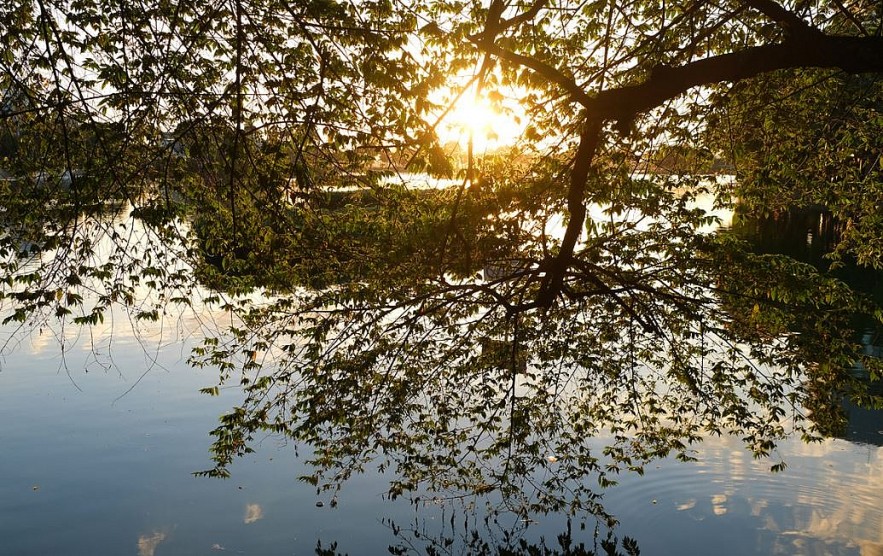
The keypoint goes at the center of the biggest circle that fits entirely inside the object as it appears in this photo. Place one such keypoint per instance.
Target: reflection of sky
(120, 326)
(827, 501)
(115, 470)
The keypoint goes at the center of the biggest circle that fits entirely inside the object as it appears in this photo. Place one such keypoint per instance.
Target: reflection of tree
(461, 532)
(807, 235)
(829, 114)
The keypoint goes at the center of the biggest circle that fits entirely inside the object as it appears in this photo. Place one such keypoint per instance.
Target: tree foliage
(560, 312)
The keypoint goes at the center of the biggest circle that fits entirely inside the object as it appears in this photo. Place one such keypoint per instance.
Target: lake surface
(99, 445)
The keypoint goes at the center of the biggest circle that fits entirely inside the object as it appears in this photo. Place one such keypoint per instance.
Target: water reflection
(825, 502)
(253, 512)
(147, 543)
(864, 424)
(461, 530)
(807, 235)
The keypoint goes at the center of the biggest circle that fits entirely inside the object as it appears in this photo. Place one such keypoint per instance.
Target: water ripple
(827, 501)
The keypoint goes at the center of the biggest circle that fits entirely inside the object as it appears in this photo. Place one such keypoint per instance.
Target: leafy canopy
(560, 309)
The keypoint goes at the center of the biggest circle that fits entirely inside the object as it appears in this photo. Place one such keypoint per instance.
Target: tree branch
(790, 22)
(589, 140)
(850, 54)
(806, 47)
(524, 17)
(852, 19)
(551, 73)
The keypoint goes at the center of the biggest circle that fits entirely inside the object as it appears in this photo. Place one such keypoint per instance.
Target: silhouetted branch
(788, 21)
(844, 11)
(807, 49)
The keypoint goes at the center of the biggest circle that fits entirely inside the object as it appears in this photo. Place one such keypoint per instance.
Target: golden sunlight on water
(121, 326)
(555, 226)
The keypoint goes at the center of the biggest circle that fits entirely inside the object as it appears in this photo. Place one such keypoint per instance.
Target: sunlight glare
(492, 125)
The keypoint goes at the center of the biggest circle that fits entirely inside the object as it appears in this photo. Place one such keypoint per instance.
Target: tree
(452, 335)
(831, 161)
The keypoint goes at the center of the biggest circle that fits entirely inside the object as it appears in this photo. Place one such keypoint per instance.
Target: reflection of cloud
(147, 544)
(870, 548)
(829, 493)
(770, 524)
(253, 512)
(758, 506)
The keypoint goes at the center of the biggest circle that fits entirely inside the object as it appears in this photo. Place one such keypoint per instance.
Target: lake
(99, 446)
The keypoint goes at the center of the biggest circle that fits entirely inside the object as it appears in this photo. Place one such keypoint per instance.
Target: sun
(489, 121)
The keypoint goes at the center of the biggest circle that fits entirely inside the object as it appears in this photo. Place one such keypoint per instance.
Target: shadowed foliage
(560, 311)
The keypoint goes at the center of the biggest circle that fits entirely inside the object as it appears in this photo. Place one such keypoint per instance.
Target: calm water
(98, 447)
